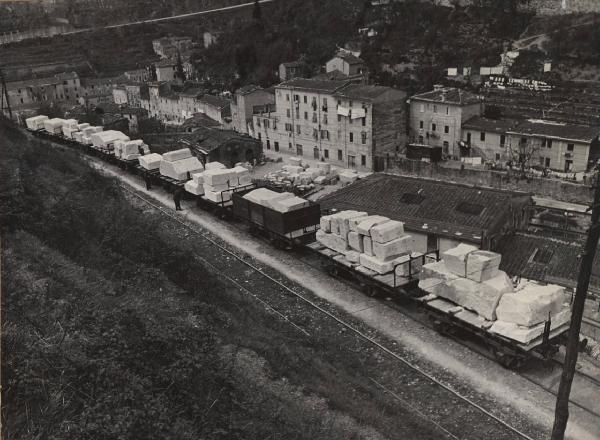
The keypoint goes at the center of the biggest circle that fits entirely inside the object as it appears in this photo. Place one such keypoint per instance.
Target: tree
(180, 73)
(256, 12)
(522, 151)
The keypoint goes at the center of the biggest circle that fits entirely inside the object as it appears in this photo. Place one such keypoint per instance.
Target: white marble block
(377, 265)
(387, 231)
(321, 180)
(352, 256)
(289, 204)
(409, 263)
(337, 220)
(36, 122)
(364, 227)
(347, 177)
(194, 187)
(215, 166)
(367, 244)
(150, 161)
(355, 241)
(482, 265)
(392, 249)
(180, 169)
(215, 188)
(332, 241)
(296, 161)
(456, 258)
(326, 224)
(526, 335)
(198, 178)
(218, 176)
(434, 277)
(482, 298)
(217, 197)
(531, 305)
(293, 169)
(244, 180)
(324, 167)
(172, 156)
(344, 221)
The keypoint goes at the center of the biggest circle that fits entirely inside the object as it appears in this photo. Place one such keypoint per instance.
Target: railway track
(464, 409)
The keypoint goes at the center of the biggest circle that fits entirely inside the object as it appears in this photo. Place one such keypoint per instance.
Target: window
(316, 152)
(288, 113)
(290, 146)
(446, 129)
(287, 96)
(305, 99)
(325, 134)
(305, 115)
(446, 147)
(497, 156)
(258, 122)
(363, 137)
(421, 108)
(326, 154)
(268, 144)
(299, 149)
(276, 145)
(351, 137)
(549, 144)
(420, 124)
(339, 118)
(570, 147)
(364, 121)
(288, 127)
(421, 140)
(349, 103)
(433, 127)
(325, 118)
(340, 155)
(259, 137)
(482, 136)
(351, 161)
(296, 98)
(298, 129)
(339, 102)
(314, 118)
(324, 104)
(502, 140)
(547, 162)
(434, 108)
(363, 160)
(297, 114)
(447, 110)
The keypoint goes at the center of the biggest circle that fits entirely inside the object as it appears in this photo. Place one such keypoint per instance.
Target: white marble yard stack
(36, 122)
(53, 125)
(217, 182)
(130, 150)
(242, 176)
(215, 166)
(179, 164)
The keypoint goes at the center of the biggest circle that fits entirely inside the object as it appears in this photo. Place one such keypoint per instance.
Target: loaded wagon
(285, 229)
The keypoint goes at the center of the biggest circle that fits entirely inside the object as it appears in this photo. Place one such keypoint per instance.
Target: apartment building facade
(334, 121)
(246, 101)
(436, 117)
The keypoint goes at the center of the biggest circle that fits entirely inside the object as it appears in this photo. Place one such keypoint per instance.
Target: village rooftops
(461, 212)
(556, 130)
(545, 259)
(449, 95)
(215, 101)
(499, 126)
(44, 81)
(349, 58)
(362, 92)
(246, 90)
(313, 85)
(207, 139)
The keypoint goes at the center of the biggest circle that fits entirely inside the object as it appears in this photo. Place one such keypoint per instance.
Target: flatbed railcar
(297, 229)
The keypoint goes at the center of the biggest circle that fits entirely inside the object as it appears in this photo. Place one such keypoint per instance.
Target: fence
(543, 187)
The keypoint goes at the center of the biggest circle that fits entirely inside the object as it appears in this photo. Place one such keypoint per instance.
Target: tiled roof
(548, 129)
(334, 75)
(208, 139)
(215, 101)
(449, 95)
(199, 120)
(349, 58)
(313, 84)
(428, 205)
(357, 91)
(520, 256)
(47, 80)
(490, 125)
(244, 90)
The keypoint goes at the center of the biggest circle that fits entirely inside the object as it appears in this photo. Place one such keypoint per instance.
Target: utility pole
(4, 101)
(561, 414)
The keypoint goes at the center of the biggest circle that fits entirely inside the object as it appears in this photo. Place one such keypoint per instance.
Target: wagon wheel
(507, 360)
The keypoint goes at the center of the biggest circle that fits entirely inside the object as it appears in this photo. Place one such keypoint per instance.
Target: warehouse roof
(544, 259)
(450, 95)
(448, 209)
(313, 84)
(557, 130)
(207, 139)
(499, 126)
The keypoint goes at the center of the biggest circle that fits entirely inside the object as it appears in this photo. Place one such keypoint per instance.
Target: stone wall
(543, 187)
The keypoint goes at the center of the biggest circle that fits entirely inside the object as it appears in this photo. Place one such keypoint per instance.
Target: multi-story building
(547, 144)
(248, 100)
(557, 146)
(292, 69)
(168, 47)
(165, 70)
(32, 93)
(138, 75)
(346, 124)
(120, 95)
(347, 64)
(436, 117)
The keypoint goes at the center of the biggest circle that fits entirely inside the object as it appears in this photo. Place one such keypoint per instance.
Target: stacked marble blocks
(280, 202)
(471, 279)
(179, 164)
(298, 173)
(150, 161)
(371, 241)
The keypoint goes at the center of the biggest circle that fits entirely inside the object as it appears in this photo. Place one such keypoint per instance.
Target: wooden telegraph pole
(561, 414)
(4, 101)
